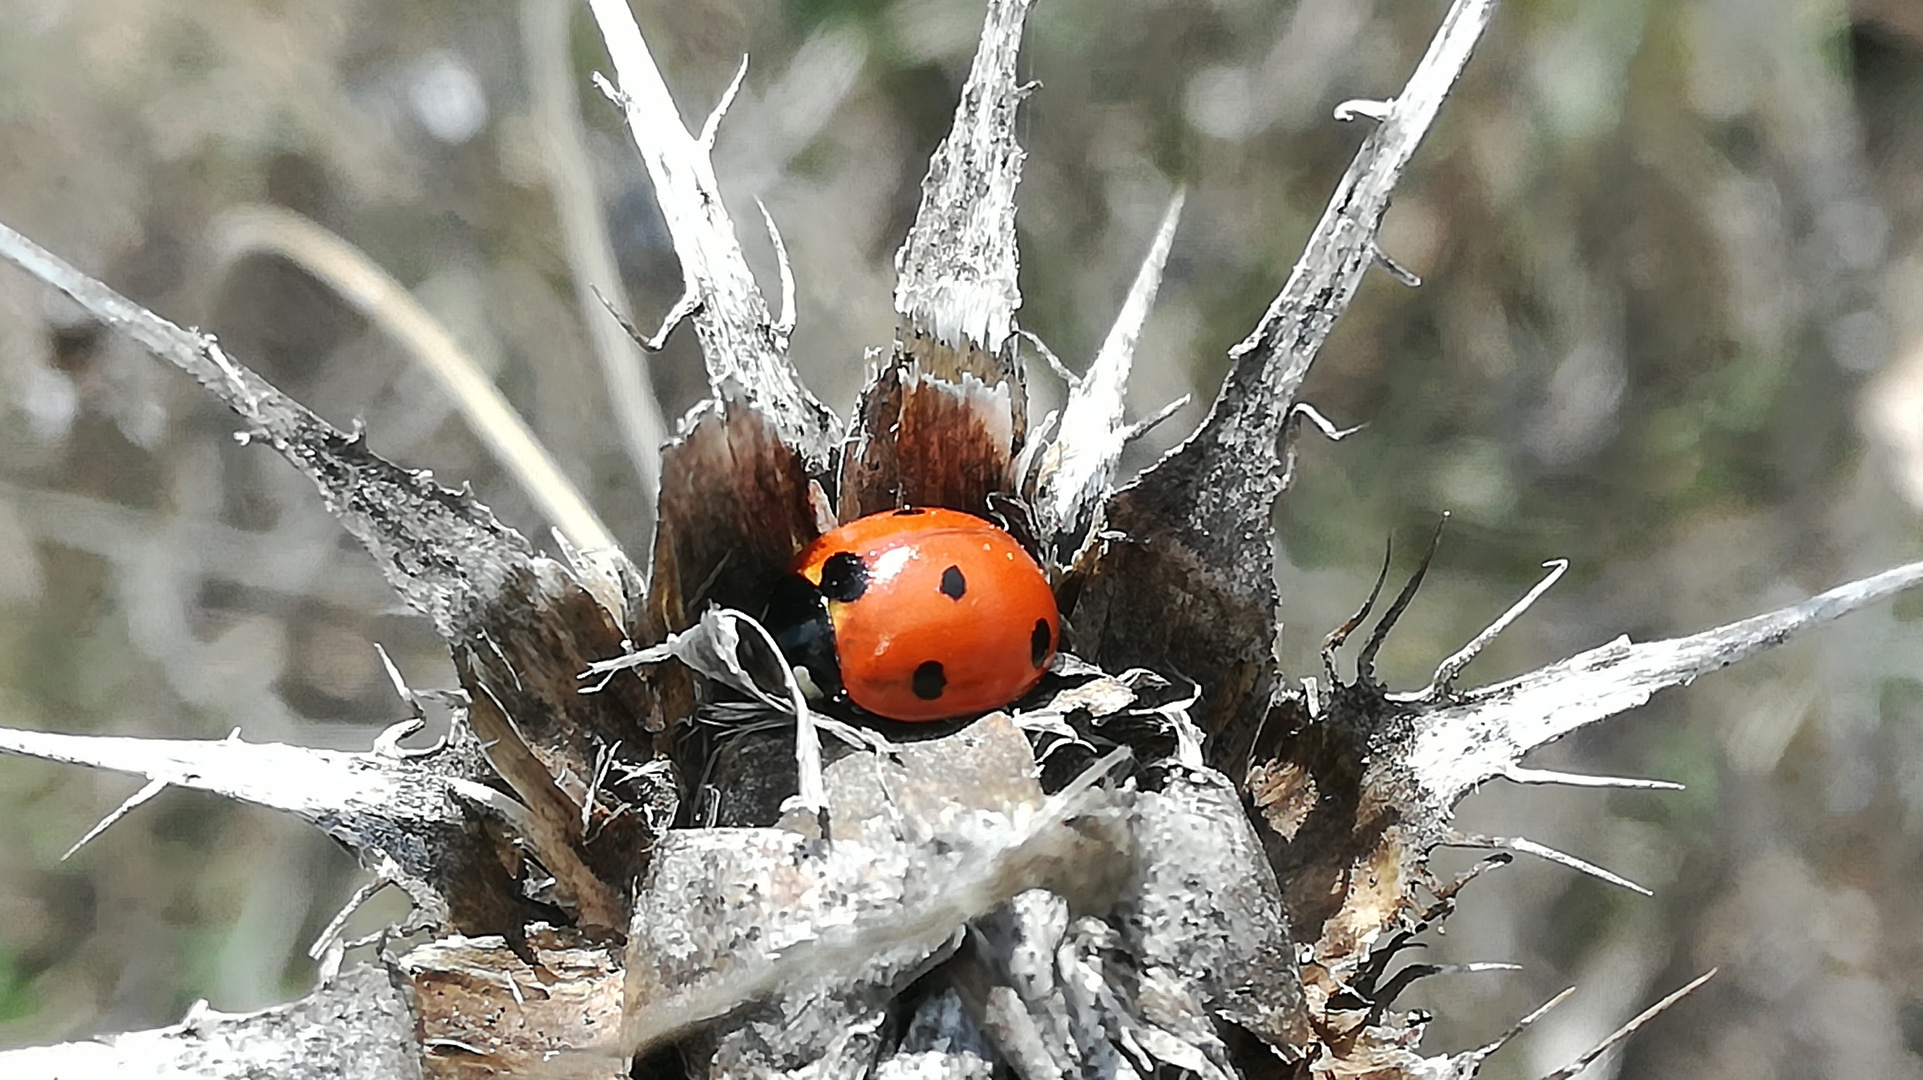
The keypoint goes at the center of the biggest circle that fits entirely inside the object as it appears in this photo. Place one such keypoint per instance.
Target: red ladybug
(917, 614)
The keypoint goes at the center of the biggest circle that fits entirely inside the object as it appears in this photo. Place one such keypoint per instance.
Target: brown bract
(933, 432)
(544, 1007)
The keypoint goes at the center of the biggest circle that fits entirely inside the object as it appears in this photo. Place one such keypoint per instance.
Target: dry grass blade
(585, 239)
(386, 303)
(399, 515)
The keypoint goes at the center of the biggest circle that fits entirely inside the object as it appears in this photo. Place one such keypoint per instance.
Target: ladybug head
(797, 617)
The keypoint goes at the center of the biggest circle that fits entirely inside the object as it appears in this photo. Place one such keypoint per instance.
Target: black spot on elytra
(953, 584)
(930, 680)
(1038, 643)
(909, 511)
(844, 577)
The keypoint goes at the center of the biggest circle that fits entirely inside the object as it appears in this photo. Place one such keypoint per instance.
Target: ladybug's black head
(797, 616)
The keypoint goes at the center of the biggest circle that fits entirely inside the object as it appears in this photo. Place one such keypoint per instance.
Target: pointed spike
(1341, 633)
(1446, 672)
(1376, 109)
(686, 307)
(388, 743)
(1474, 1058)
(741, 352)
(1544, 851)
(1077, 470)
(1396, 270)
(605, 762)
(261, 773)
(1082, 459)
(1629, 1029)
(713, 126)
(1408, 976)
(1292, 428)
(127, 806)
(1302, 410)
(784, 324)
(942, 422)
(1480, 966)
(1069, 378)
(1520, 775)
(331, 932)
(362, 800)
(957, 268)
(1446, 894)
(1486, 731)
(1365, 662)
(401, 689)
(1149, 423)
(1108, 376)
(627, 325)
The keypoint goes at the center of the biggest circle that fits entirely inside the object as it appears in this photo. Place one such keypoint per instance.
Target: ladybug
(916, 614)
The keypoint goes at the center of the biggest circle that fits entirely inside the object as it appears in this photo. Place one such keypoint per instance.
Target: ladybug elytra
(917, 614)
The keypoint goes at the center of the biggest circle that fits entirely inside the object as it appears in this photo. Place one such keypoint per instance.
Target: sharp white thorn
(1401, 273)
(1477, 1055)
(1522, 775)
(608, 90)
(713, 126)
(332, 931)
(594, 786)
(1327, 427)
(1054, 362)
(1526, 846)
(132, 802)
(1447, 671)
(686, 306)
(502, 804)
(1487, 965)
(785, 324)
(401, 689)
(1080, 464)
(1376, 109)
(1144, 426)
(1118, 349)
(1629, 1029)
(388, 743)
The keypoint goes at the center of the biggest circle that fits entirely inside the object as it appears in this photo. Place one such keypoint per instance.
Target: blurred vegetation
(1669, 330)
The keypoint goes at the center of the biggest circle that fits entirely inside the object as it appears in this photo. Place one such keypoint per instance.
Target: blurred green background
(1670, 330)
